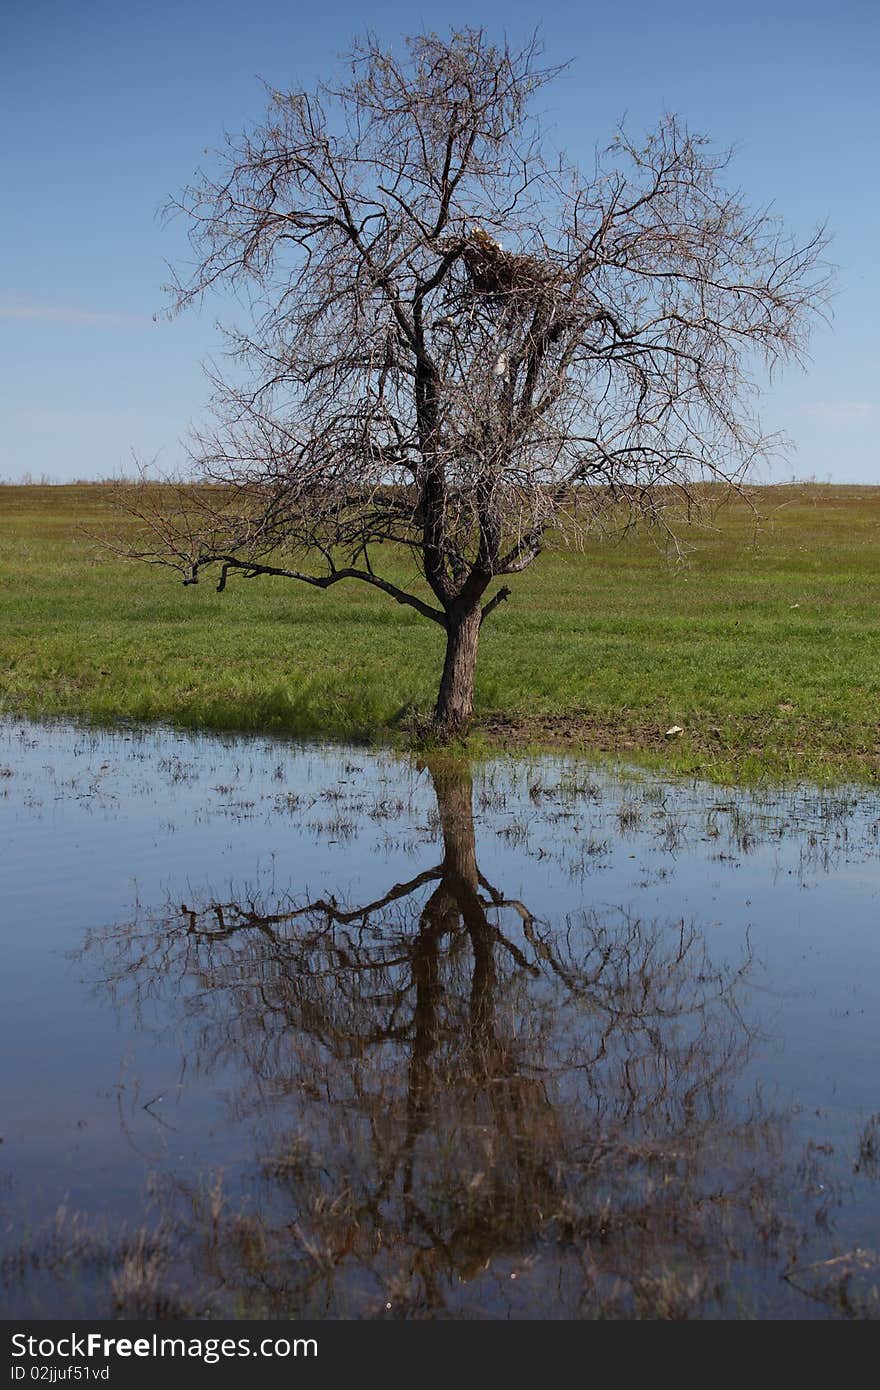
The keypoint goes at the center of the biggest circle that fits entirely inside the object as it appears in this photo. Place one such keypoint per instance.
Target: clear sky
(107, 107)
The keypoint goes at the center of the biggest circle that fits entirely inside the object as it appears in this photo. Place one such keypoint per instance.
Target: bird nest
(500, 275)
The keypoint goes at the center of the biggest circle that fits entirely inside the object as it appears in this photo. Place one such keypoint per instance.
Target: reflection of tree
(451, 1090)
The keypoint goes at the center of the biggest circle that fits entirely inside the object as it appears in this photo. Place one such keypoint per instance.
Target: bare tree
(461, 344)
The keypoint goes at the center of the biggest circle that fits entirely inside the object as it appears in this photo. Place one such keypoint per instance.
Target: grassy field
(764, 648)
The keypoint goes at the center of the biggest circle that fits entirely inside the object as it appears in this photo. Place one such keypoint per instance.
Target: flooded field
(318, 1031)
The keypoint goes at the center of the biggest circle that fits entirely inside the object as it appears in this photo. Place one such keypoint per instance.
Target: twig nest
(498, 274)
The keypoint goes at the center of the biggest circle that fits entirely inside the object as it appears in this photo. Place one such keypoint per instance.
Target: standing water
(316, 1031)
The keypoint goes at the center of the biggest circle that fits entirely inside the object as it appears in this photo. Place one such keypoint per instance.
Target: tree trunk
(455, 701)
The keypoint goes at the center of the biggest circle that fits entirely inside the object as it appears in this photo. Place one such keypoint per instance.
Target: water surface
(318, 1031)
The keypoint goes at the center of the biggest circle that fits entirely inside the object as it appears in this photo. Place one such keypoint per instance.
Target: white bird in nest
(482, 238)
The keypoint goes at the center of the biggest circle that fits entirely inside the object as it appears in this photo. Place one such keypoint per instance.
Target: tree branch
(251, 569)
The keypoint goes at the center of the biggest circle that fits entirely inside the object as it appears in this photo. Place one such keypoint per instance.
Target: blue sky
(108, 108)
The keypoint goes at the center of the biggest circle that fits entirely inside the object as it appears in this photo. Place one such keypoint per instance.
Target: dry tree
(463, 346)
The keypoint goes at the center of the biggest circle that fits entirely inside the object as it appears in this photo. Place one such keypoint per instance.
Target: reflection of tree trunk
(455, 901)
(440, 917)
(455, 700)
(453, 786)
(493, 1097)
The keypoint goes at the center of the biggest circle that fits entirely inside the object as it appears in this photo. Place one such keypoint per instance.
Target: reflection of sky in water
(94, 824)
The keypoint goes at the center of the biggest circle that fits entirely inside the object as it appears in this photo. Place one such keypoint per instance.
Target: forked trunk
(455, 701)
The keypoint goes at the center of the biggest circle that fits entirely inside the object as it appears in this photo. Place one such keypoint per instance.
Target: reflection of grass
(767, 653)
(128, 1273)
(664, 1253)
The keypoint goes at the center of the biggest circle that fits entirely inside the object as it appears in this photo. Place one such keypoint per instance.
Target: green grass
(607, 648)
